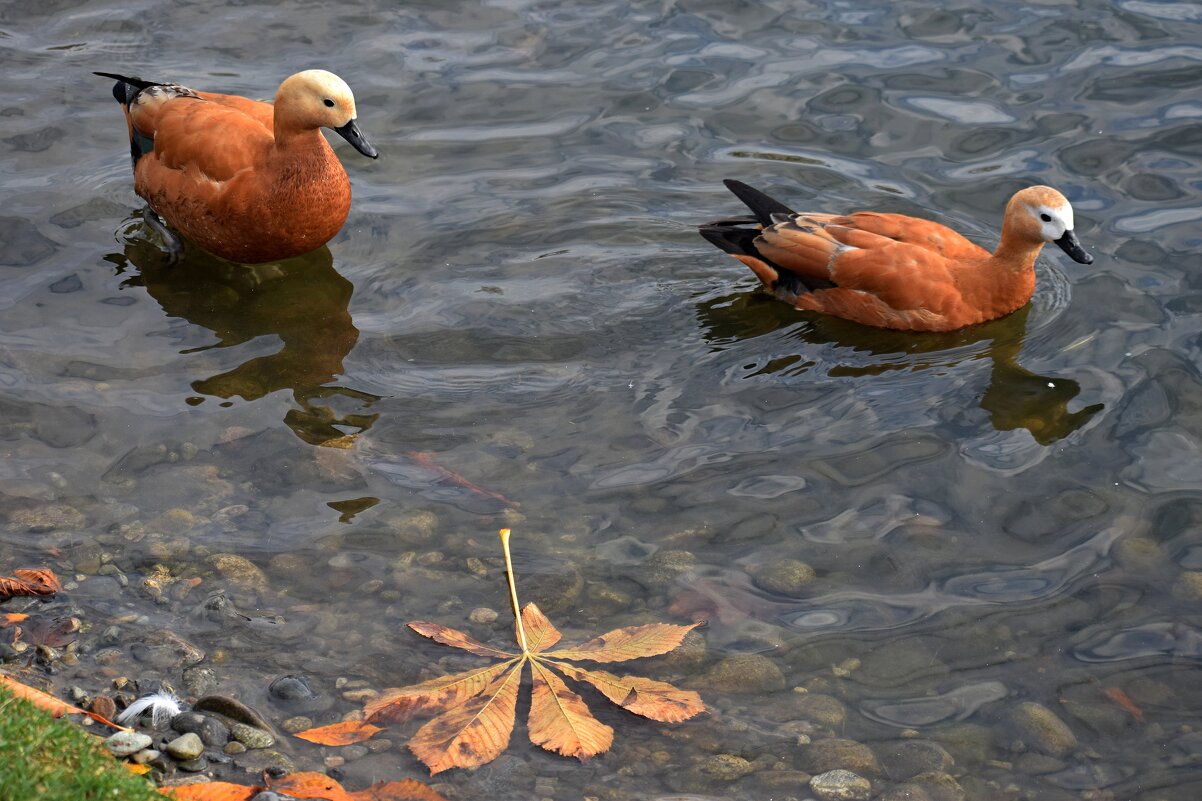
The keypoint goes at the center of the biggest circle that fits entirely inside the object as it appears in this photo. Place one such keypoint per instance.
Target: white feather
(163, 705)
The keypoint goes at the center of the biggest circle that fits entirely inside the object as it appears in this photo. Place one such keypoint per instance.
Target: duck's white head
(1046, 215)
(320, 99)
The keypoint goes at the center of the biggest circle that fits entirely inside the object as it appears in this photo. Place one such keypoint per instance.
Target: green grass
(43, 759)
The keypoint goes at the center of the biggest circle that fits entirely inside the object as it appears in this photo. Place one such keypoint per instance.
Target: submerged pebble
(744, 673)
(841, 785)
(1042, 730)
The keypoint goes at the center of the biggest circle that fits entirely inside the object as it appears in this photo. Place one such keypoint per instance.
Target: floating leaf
(559, 720)
(308, 784)
(473, 734)
(480, 705)
(344, 733)
(653, 699)
(404, 790)
(632, 642)
(211, 791)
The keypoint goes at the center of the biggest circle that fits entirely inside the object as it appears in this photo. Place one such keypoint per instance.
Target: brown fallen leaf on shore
(40, 583)
(304, 785)
(48, 703)
(478, 707)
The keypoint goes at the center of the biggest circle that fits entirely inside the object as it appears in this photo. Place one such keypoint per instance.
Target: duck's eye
(1044, 217)
(330, 104)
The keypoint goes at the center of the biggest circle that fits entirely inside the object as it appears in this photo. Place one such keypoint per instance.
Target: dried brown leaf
(631, 642)
(211, 791)
(344, 733)
(653, 699)
(540, 634)
(457, 639)
(48, 703)
(473, 733)
(29, 582)
(404, 790)
(559, 720)
(400, 704)
(308, 784)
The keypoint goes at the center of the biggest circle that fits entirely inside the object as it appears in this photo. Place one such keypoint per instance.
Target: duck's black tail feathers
(765, 209)
(126, 88)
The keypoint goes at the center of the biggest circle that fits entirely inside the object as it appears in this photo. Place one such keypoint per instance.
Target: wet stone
(256, 761)
(290, 688)
(104, 706)
(296, 724)
(902, 759)
(193, 765)
(784, 577)
(1188, 586)
(822, 756)
(124, 743)
(200, 680)
(744, 673)
(664, 567)
(353, 752)
(145, 756)
(1042, 730)
(724, 767)
(47, 517)
(211, 731)
(233, 748)
(825, 710)
(483, 615)
(1036, 764)
(240, 572)
(937, 786)
(841, 785)
(250, 736)
(185, 747)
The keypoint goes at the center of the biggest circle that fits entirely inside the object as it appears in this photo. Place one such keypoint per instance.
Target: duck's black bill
(1070, 245)
(351, 133)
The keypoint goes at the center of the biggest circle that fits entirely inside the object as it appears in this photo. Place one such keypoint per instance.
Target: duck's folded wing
(910, 230)
(258, 110)
(210, 141)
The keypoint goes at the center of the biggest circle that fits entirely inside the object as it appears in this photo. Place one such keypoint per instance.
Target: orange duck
(246, 180)
(894, 271)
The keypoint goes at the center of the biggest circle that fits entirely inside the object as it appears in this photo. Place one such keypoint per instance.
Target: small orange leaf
(404, 790)
(540, 634)
(560, 722)
(308, 784)
(48, 703)
(470, 735)
(11, 618)
(457, 639)
(136, 769)
(1122, 699)
(344, 733)
(400, 704)
(653, 699)
(631, 642)
(211, 791)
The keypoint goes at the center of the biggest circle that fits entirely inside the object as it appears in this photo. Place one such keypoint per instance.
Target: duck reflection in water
(302, 301)
(1015, 398)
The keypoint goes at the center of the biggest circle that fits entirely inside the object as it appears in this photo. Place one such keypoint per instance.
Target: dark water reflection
(519, 326)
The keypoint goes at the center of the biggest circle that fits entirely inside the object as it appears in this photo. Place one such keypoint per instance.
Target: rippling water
(519, 326)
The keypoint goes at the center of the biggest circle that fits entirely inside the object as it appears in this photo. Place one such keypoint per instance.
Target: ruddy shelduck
(246, 180)
(894, 271)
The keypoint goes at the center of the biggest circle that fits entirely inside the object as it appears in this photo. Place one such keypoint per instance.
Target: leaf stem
(513, 593)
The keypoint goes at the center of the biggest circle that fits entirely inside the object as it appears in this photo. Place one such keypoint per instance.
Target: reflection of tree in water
(303, 301)
(1015, 398)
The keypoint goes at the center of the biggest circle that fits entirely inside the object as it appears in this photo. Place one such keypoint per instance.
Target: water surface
(519, 326)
